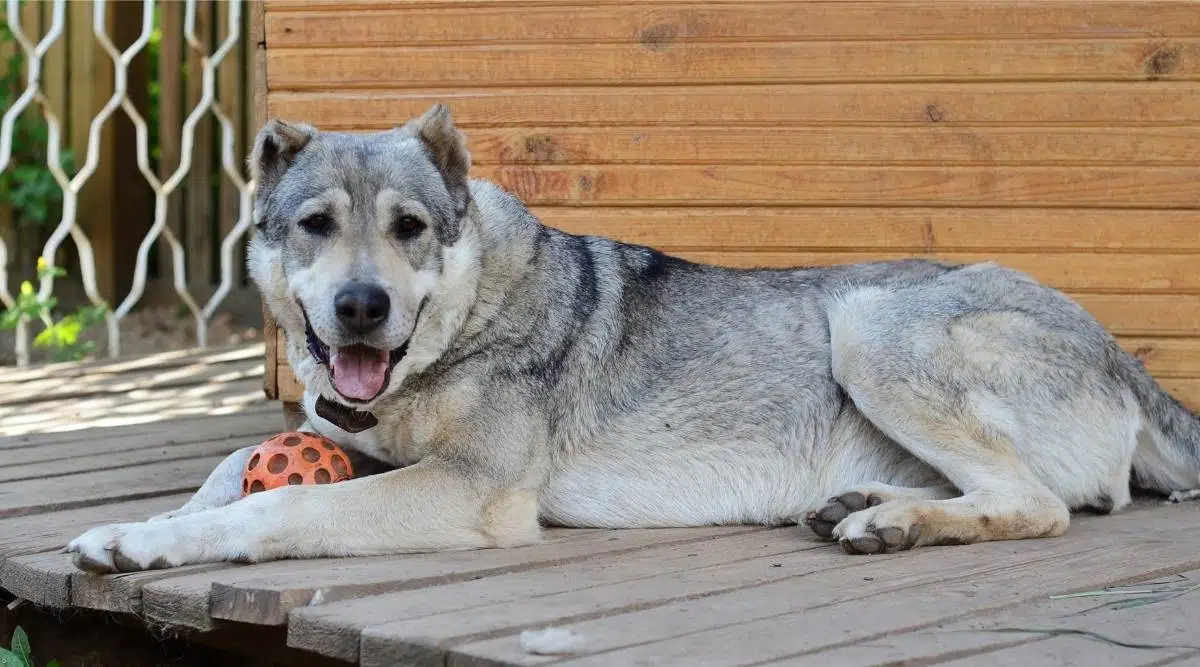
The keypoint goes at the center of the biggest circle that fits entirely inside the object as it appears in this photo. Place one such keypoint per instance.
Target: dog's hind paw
(823, 521)
(1184, 496)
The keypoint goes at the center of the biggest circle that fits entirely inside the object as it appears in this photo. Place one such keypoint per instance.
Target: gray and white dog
(522, 376)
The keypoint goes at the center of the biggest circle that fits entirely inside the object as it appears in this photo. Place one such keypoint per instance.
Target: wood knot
(1162, 61)
(659, 36)
(542, 148)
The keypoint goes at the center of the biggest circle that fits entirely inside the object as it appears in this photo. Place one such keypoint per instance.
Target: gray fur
(588, 382)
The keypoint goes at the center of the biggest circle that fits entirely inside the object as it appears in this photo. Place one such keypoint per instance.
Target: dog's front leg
(433, 505)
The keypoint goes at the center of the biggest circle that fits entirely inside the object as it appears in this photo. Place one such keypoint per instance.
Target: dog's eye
(408, 226)
(317, 223)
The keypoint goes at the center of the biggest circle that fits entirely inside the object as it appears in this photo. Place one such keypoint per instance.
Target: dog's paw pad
(873, 540)
(823, 521)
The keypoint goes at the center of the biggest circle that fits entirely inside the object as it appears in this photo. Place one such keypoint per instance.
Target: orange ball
(295, 458)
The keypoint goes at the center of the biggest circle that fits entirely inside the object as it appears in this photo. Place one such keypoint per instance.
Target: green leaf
(10, 659)
(20, 643)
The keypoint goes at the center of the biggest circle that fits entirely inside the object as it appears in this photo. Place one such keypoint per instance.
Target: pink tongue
(359, 371)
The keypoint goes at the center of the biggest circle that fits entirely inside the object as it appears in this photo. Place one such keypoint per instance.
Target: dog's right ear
(275, 149)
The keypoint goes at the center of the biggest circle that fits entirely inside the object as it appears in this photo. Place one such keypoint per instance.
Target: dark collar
(346, 418)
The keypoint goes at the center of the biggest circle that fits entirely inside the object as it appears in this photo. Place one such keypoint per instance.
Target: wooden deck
(86, 445)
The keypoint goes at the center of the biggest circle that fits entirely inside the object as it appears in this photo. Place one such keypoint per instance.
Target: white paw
(127, 547)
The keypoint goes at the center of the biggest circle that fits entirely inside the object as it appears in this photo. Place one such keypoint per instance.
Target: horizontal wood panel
(836, 185)
(929, 144)
(1013, 104)
(655, 23)
(912, 229)
(1145, 314)
(1109, 272)
(673, 64)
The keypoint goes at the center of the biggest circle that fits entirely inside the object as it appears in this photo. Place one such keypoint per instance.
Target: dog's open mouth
(359, 372)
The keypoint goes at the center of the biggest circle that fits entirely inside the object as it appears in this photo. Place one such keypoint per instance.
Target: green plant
(19, 654)
(61, 337)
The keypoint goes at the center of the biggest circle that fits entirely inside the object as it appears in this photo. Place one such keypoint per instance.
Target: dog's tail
(1168, 452)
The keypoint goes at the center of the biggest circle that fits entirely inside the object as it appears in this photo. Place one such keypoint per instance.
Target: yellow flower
(42, 264)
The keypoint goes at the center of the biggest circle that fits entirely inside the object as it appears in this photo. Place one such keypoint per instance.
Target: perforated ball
(295, 458)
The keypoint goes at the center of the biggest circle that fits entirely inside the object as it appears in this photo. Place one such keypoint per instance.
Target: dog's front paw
(125, 547)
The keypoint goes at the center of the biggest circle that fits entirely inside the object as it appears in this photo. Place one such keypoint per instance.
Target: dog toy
(295, 458)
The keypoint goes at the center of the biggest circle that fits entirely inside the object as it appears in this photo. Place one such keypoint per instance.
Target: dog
(517, 376)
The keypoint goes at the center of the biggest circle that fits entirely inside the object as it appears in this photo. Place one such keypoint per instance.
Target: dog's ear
(447, 147)
(275, 148)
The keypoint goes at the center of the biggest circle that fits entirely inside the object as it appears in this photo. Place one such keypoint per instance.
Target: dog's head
(354, 235)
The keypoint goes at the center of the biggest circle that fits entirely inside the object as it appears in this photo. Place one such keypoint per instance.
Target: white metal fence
(163, 184)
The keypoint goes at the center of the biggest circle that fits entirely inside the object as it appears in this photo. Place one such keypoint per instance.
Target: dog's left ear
(447, 147)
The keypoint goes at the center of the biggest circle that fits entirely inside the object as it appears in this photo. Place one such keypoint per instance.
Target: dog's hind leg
(924, 388)
(862, 496)
(1002, 498)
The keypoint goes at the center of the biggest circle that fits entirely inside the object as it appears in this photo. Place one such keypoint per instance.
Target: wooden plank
(154, 428)
(1170, 623)
(264, 594)
(231, 96)
(134, 407)
(170, 123)
(1148, 624)
(217, 354)
(38, 496)
(665, 62)
(1145, 314)
(915, 229)
(392, 24)
(919, 145)
(43, 579)
(1075, 272)
(683, 185)
(334, 629)
(1003, 104)
(122, 593)
(25, 535)
(92, 80)
(97, 460)
(187, 376)
(199, 191)
(257, 82)
(1166, 357)
(919, 230)
(804, 614)
(55, 74)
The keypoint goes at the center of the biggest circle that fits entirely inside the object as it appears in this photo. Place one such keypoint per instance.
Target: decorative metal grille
(162, 188)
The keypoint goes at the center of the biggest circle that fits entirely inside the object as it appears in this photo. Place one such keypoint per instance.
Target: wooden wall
(1058, 137)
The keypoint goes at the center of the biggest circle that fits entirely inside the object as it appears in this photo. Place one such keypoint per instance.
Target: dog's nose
(361, 308)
